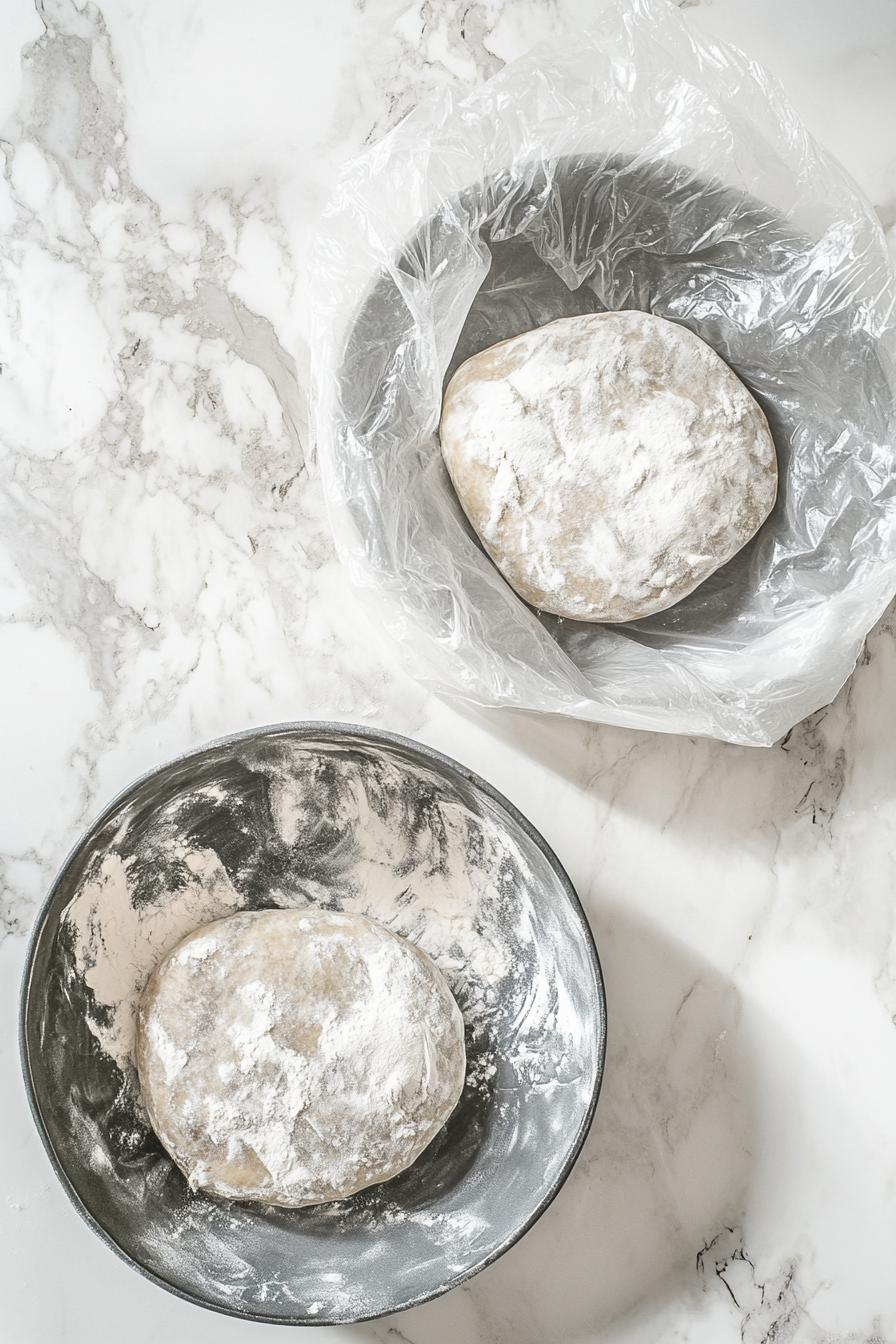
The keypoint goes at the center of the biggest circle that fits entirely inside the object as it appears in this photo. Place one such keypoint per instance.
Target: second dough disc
(609, 462)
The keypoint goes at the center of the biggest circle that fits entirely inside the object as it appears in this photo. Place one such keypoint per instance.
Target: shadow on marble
(714, 792)
(664, 1171)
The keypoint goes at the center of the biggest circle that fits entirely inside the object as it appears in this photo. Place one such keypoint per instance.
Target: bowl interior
(317, 814)
(587, 233)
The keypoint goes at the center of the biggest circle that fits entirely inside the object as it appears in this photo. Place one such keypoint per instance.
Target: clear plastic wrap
(637, 167)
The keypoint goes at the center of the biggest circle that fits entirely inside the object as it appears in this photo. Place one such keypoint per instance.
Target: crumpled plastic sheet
(639, 166)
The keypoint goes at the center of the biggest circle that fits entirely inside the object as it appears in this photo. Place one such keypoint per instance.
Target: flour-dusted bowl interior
(318, 815)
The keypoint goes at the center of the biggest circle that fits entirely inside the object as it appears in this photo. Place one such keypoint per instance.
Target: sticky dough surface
(295, 1057)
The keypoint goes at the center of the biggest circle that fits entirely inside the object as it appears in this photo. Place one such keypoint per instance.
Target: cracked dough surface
(296, 1056)
(608, 462)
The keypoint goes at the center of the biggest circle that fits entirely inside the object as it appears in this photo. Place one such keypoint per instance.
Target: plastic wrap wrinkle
(638, 167)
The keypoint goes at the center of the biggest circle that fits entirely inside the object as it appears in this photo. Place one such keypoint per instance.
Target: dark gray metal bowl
(517, 1130)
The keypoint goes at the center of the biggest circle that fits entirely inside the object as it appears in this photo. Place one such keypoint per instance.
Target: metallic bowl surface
(483, 1181)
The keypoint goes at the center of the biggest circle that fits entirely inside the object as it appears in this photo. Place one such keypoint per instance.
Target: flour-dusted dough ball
(296, 1056)
(609, 463)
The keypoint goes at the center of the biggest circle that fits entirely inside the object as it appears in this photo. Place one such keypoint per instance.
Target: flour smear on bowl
(445, 882)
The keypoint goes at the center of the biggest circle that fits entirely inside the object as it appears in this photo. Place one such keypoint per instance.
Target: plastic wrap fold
(637, 167)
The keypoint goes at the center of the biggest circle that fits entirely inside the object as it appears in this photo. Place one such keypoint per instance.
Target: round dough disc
(296, 1056)
(609, 463)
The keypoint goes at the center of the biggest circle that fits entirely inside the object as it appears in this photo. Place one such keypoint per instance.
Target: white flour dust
(609, 462)
(119, 936)
(437, 906)
(333, 1057)
(117, 943)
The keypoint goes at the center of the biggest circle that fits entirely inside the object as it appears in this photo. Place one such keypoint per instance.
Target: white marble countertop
(168, 577)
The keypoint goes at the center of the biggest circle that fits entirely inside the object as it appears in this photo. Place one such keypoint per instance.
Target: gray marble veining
(167, 576)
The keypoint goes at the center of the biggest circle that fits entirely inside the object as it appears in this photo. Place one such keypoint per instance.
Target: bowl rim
(378, 736)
